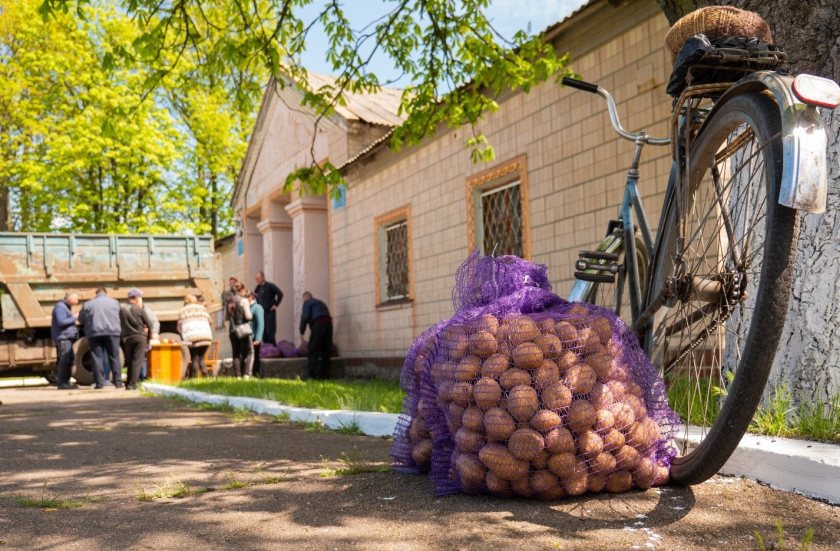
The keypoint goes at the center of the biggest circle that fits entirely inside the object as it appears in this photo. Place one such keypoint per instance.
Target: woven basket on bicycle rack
(716, 21)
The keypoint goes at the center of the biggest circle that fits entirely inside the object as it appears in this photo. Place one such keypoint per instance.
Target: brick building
(411, 217)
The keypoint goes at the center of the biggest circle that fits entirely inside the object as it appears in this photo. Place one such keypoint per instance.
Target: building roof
(379, 108)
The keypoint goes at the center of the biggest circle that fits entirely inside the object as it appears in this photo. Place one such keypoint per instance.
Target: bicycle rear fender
(804, 142)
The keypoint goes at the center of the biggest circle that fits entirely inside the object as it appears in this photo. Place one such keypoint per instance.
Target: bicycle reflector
(817, 91)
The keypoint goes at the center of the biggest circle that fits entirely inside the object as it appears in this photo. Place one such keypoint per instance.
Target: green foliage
(169, 490)
(696, 401)
(780, 536)
(53, 502)
(372, 395)
(778, 417)
(352, 464)
(457, 64)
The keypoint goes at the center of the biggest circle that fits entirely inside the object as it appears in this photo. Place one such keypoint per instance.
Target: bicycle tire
(758, 320)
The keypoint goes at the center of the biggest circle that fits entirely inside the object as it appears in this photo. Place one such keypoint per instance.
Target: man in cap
(136, 325)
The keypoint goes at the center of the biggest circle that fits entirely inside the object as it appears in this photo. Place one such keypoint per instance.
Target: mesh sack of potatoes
(714, 22)
(522, 393)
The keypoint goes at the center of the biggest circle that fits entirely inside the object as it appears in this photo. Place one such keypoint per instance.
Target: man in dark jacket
(136, 325)
(64, 333)
(269, 296)
(316, 315)
(100, 317)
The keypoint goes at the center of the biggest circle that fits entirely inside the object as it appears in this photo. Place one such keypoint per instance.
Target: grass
(170, 489)
(352, 464)
(776, 417)
(234, 483)
(374, 395)
(780, 536)
(53, 502)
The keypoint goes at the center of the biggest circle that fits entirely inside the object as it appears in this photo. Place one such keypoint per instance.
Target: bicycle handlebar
(613, 111)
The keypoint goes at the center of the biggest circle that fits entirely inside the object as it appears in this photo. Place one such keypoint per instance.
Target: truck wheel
(185, 351)
(83, 367)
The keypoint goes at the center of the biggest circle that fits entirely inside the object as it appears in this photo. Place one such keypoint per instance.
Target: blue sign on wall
(240, 247)
(341, 200)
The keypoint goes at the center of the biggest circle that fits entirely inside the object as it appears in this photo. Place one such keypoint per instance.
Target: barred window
(396, 261)
(500, 220)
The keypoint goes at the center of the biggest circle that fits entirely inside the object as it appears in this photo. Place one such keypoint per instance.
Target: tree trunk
(808, 359)
(5, 214)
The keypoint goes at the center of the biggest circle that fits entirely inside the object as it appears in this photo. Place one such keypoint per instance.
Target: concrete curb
(808, 468)
(370, 423)
(21, 382)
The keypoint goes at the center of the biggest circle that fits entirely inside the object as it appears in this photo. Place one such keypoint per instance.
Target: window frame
(382, 224)
(492, 179)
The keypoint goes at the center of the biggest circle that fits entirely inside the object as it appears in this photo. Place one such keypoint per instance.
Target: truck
(37, 269)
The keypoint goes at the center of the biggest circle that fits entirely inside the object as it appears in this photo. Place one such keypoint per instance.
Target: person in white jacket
(194, 328)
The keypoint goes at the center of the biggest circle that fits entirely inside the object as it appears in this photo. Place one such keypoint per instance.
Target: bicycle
(709, 294)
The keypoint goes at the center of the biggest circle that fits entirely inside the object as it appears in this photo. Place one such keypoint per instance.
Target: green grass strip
(373, 395)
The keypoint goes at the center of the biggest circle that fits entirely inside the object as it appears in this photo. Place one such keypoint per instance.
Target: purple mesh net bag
(522, 393)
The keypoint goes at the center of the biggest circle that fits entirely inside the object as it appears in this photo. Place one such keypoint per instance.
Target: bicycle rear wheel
(716, 337)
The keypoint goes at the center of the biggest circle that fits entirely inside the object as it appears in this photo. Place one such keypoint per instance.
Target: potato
(521, 487)
(601, 364)
(486, 322)
(418, 430)
(562, 464)
(577, 309)
(619, 481)
(578, 482)
(617, 388)
(487, 393)
(567, 334)
(661, 475)
(580, 378)
(473, 419)
(527, 356)
(454, 415)
(602, 327)
(546, 325)
(438, 370)
(468, 441)
(597, 482)
(483, 344)
(589, 341)
(505, 348)
(421, 363)
(604, 463)
(494, 366)
(581, 416)
(546, 374)
(462, 393)
(589, 444)
(601, 396)
(604, 420)
(522, 402)
(559, 440)
(525, 444)
(514, 377)
(421, 453)
(637, 404)
(627, 457)
(546, 486)
(643, 434)
(634, 389)
(545, 420)
(556, 397)
(550, 345)
(457, 346)
(468, 369)
(613, 440)
(497, 486)
(498, 459)
(624, 415)
(567, 359)
(521, 329)
(471, 471)
(498, 424)
(541, 460)
(445, 391)
(644, 473)
(598, 350)
(618, 371)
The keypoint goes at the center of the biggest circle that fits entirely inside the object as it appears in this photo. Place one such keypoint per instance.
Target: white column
(277, 261)
(311, 265)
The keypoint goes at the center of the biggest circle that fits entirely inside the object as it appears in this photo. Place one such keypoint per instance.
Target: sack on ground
(523, 393)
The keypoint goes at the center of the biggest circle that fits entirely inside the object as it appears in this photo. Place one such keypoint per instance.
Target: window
(393, 269)
(497, 212)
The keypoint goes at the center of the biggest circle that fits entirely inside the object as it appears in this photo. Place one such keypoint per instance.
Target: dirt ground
(105, 449)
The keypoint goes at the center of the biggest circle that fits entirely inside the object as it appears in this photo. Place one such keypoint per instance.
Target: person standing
(100, 317)
(64, 333)
(257, 328)
(316, 315)
(269, 296)
(154, 334)
(238, 314)
(136, 326)
(194, 327)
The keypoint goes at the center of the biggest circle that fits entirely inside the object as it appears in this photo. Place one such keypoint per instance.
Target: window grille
(501, 220)
(396, 265)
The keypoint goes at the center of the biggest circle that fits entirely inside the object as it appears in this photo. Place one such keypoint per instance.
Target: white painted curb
(24, 382)
(370, 423)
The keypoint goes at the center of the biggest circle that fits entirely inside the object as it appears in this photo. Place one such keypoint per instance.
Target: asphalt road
(257, 484)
